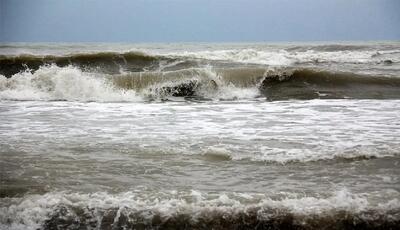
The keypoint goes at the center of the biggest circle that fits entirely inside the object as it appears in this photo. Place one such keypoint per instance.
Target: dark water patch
(387, 62)
(20, 188)
(312, 84)
(185, 89)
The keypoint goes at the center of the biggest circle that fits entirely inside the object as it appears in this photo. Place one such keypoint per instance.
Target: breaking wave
(197, 210)
(56, 83)
(72, 84)
(292, 56)
(136, 61)
(107, 62)
(289, 156)
(51, 82)
(305, 156)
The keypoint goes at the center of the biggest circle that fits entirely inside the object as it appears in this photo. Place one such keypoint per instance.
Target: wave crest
(197, 210)
(107, 62)
(56, 83)
(71, 83)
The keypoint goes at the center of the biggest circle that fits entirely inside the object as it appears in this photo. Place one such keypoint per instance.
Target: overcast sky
(198, 20)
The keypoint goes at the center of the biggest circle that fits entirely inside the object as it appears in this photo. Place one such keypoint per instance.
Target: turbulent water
(200, 136)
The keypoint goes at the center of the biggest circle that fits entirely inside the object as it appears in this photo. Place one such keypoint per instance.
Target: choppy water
(200, 136)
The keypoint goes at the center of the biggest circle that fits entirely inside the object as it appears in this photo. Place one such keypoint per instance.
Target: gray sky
(198, 20)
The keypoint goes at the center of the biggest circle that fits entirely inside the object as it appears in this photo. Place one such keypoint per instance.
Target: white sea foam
(242, 55)
(31, 211)
(56, 83)
(280, 156)
(320, 154)
(217, 153)
(285, 58)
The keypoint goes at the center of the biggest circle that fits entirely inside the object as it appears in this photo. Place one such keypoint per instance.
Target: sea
(200, 135)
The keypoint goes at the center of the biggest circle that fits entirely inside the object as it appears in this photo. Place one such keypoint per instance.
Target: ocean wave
(313, 84)
(136, 61)
(56, 83)
(269, 155)
(272, 83)
(284, 57)
(107, 62)
(70, 83)
(197, 210)
(305, 156)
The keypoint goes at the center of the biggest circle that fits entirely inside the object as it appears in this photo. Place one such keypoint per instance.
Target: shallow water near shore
(200, 136)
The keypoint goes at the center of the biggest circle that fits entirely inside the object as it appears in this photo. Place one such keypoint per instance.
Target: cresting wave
(136, 61)
(197, 210)
(72, 84)
(51, 82)
(301, 156)
(108, 62)
(292, 56)
(56, 83)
